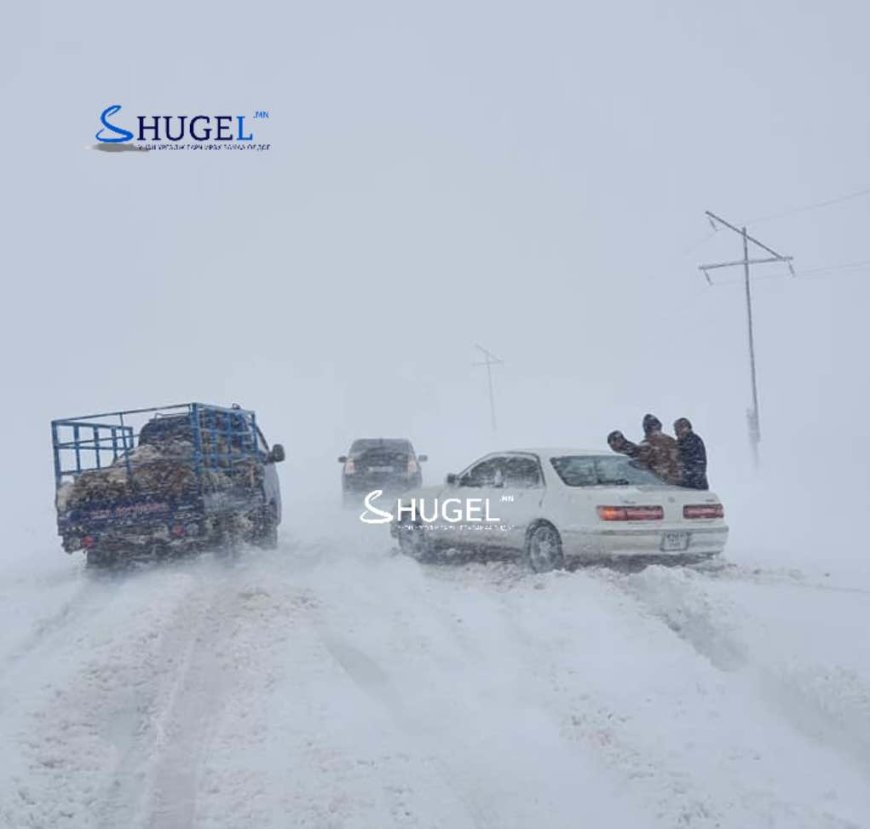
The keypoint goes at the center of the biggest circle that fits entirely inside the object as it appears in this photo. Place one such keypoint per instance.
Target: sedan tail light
(703, 511)
(649, 513)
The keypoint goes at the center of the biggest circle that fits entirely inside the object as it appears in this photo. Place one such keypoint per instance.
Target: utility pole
(489, 361)
(752, 417)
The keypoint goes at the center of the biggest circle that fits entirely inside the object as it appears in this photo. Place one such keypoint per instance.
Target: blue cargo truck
(152, 482)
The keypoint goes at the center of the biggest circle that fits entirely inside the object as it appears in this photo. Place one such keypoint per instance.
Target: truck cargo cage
(207, 439)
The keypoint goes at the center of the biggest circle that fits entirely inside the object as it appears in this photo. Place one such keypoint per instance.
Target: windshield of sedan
(579, 470)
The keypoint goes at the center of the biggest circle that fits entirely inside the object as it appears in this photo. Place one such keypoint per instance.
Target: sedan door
(478, 490)
(517, 500)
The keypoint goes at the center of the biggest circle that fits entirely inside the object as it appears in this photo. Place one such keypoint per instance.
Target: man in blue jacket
(693, 455)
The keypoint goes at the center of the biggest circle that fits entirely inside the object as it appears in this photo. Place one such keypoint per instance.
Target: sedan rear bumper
(669, 541)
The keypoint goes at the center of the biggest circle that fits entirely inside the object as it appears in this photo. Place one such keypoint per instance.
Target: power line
(806, 273)
(834, 268)
(814, 206)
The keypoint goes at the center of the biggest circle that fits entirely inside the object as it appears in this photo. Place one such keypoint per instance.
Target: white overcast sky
(530, 176)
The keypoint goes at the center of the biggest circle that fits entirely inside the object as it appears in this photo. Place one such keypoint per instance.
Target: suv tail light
(703, 511)
(649, 513)
(412, 466)
(349, 468)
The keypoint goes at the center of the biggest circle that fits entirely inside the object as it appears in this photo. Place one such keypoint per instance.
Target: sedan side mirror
(277, 454)
(451, 479)
(342, 458)
(422, 458)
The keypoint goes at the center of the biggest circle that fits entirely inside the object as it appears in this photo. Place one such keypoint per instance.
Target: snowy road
(332, 683)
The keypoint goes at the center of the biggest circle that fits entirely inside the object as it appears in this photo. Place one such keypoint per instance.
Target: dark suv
(389, 464)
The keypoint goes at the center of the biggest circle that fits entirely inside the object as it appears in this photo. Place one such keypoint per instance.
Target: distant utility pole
(752, 417)
(489, 360)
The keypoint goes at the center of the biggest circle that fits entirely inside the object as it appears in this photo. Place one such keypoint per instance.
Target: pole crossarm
(490, 357)
(745, 262)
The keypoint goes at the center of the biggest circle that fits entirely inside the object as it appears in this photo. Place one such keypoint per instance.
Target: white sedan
(547, 505)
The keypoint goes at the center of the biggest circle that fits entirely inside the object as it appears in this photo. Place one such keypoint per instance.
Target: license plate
(380, 469)
(675, 542)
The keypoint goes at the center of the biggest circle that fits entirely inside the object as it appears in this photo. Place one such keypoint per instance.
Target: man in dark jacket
(661, 450)
(693, 455)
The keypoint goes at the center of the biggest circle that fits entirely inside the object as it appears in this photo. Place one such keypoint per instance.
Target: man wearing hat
(693, 455)
(661, 451)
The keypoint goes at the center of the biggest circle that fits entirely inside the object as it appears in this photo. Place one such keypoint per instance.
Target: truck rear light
(349, 468)
(703, 511)
(88, 541)
(646, 513)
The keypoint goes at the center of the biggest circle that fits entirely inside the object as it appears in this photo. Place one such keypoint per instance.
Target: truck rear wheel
(266, 537)
(96, 559)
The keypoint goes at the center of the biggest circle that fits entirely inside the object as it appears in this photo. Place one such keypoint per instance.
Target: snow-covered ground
(334, 683)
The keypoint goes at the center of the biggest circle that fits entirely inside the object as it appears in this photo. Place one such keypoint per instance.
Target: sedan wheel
(414, 542)
(544, 548)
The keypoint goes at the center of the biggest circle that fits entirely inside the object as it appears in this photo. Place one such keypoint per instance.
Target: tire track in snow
(190, 712)
(829, 706)
(162, 768)
(449, 675)
(586, 716)
(83, 734)
(682, 795)
(372, 680)
(690, 614)
(55, 629)
(141, 790)
(724, 570)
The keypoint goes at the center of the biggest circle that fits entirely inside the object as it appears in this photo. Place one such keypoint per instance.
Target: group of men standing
(681, 461)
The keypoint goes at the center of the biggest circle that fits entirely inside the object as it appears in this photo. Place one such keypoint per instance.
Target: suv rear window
(587, 470)
(392, 445)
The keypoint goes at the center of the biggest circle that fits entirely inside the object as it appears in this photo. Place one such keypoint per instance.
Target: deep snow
(334, 683)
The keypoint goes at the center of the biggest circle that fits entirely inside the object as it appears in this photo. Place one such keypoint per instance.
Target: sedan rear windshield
(586, 470)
